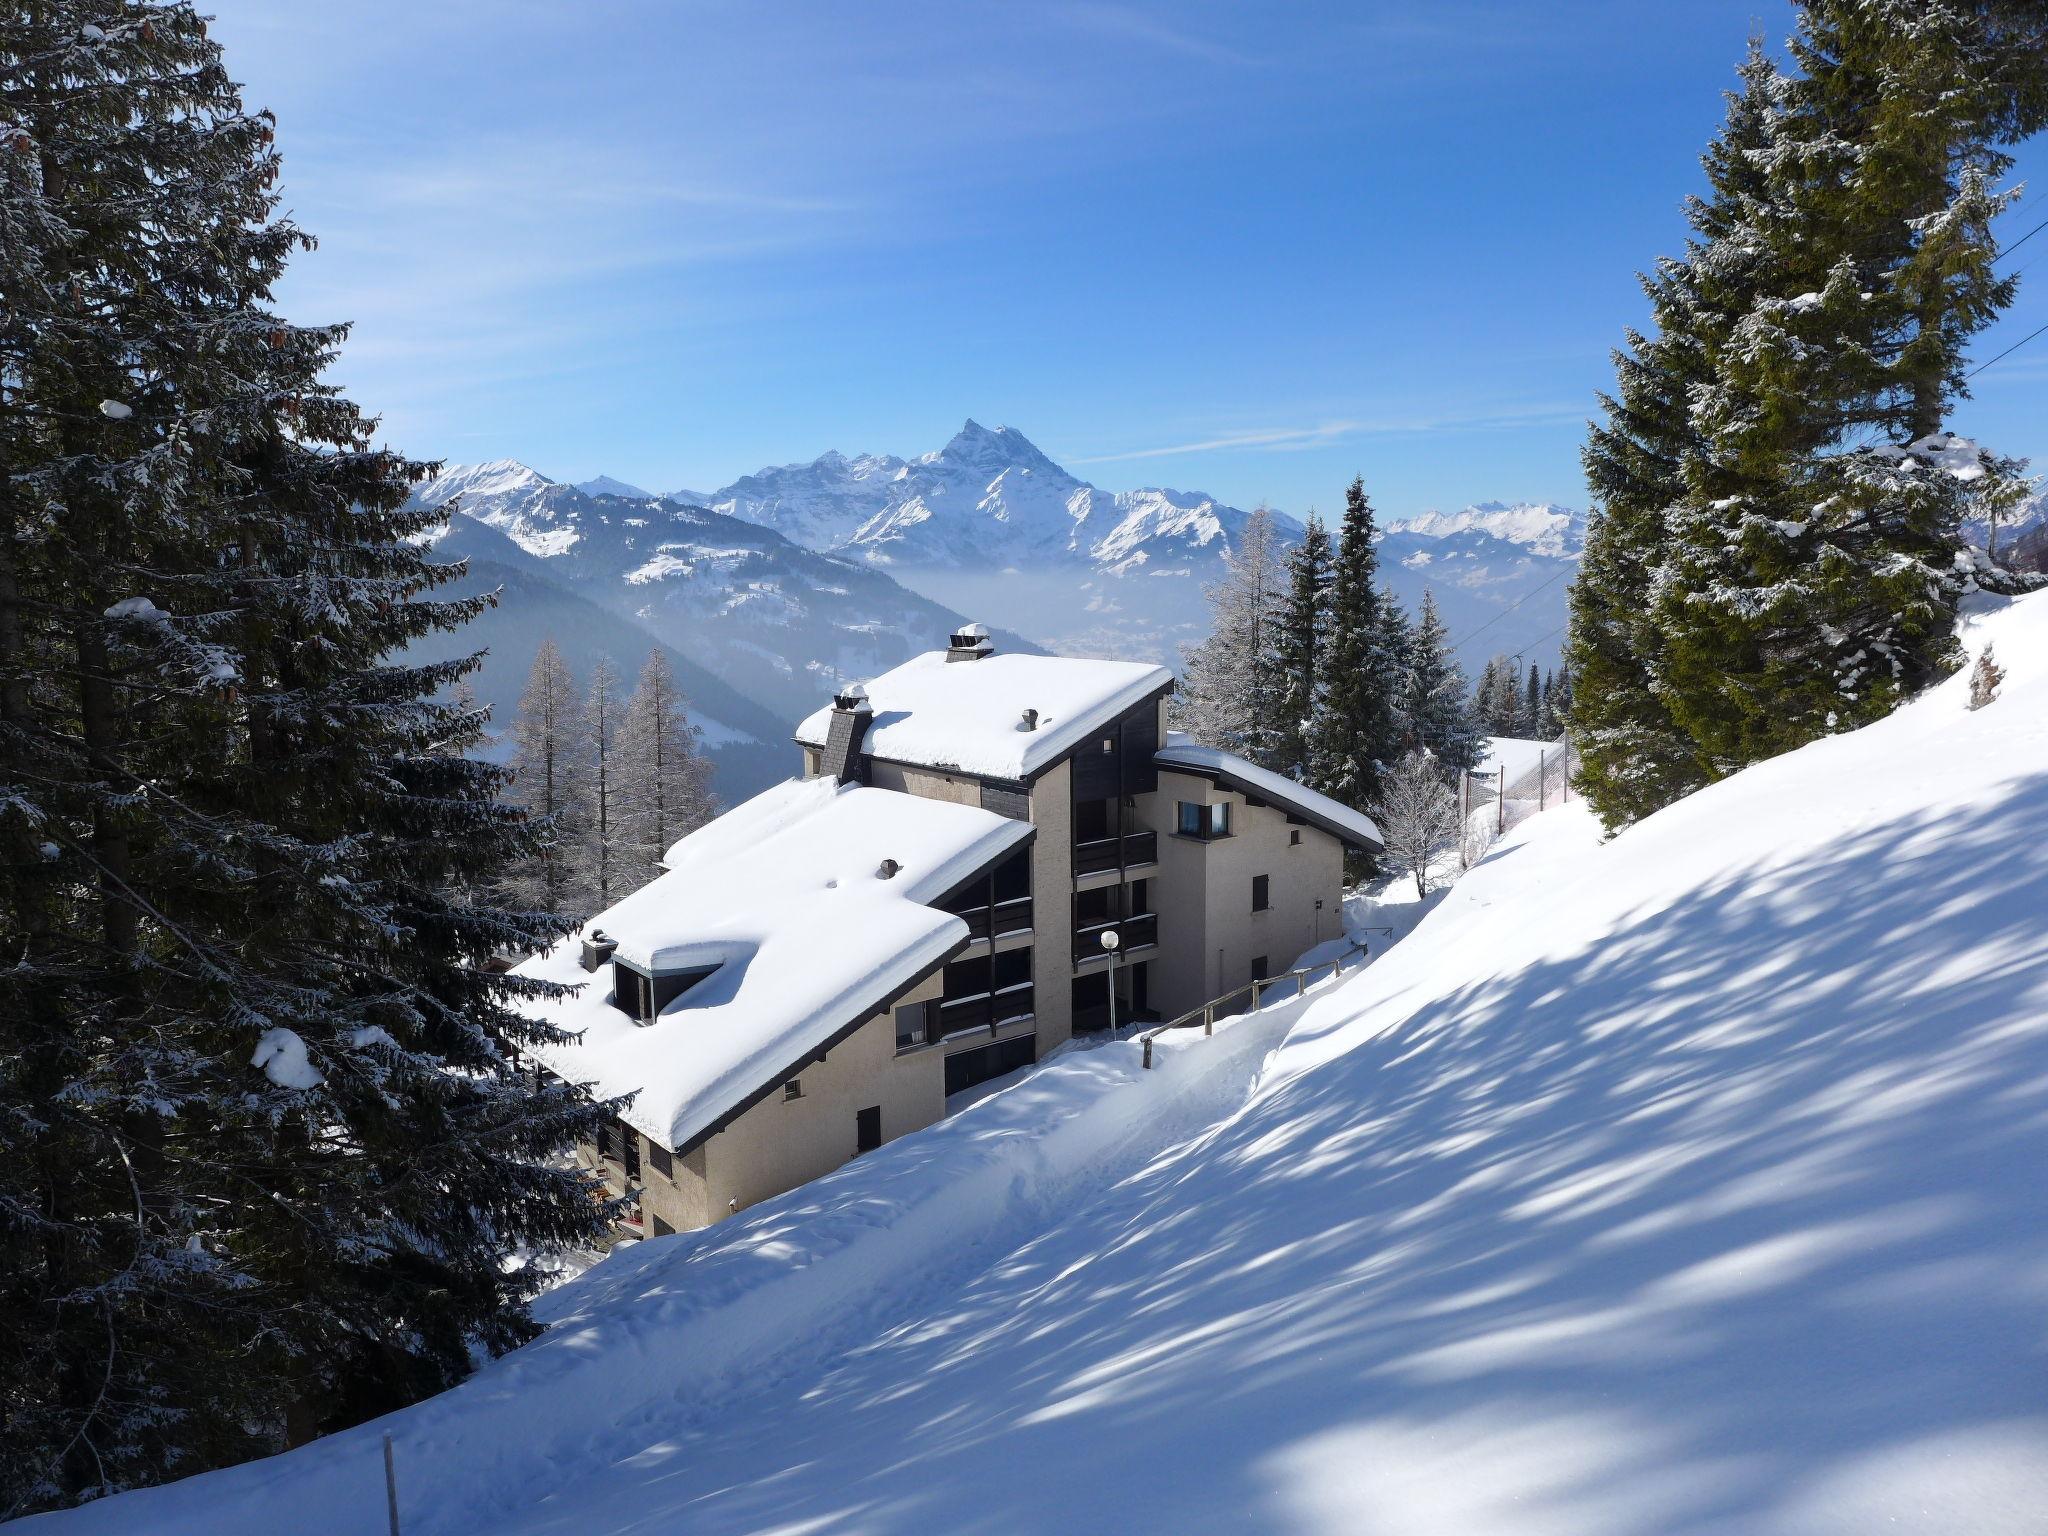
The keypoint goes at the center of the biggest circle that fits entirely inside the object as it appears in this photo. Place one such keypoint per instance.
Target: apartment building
(827, 966)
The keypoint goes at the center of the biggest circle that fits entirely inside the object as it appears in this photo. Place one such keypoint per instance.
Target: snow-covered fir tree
(1232, 693)
(264, 1145)
(664, 776)
(1434, 699)
(1303, 641)
(1775, 553)
(1355, 732)
(550, 779)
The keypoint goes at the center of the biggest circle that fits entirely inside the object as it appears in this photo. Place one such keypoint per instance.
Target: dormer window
(642, 995)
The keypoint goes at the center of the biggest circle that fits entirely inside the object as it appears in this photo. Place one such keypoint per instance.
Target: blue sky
(1251, 250)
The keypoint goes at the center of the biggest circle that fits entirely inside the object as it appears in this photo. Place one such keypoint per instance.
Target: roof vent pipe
(1030, 719)
(969, 643)
(888, 869)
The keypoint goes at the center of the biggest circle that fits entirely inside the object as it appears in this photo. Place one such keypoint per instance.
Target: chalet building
(822, 968)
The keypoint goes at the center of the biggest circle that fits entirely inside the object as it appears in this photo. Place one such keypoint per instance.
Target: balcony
(1107, 853)
(985, 1010)
(1133, 933)
(999, 921)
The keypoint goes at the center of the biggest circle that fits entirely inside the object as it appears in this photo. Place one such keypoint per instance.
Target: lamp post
(1109, 942)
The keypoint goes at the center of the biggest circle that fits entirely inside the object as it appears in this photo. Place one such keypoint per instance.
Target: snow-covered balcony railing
(987, 1010)
(1253, 996)
(1132, 933)
(1102, 854)
(1001, 921)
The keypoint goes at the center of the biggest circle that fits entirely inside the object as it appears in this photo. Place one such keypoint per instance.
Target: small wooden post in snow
(390, 1486)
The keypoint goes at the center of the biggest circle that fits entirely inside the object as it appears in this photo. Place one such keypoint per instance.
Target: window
(913, 1025)
(867, 1129)
(641, 997)
(1262, 892)
(1219, 819)
(1259, 968)
(793, 1089)
(659, 1159)
(631, 1140)
(1204, 821)
(1189, 823)
(659, 1227)
(1294, 838)
(1108, 745)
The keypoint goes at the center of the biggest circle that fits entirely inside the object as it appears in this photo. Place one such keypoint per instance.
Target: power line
(2008, 352)
(1511, 607)
(2005, 250)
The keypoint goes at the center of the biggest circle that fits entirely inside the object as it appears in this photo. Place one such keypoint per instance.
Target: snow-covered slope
(1686, 1183)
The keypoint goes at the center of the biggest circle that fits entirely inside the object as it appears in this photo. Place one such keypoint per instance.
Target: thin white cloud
(1299, 439)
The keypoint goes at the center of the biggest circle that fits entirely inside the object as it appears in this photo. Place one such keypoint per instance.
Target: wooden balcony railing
(1102, 854)
(998, 921)
(1132, 933)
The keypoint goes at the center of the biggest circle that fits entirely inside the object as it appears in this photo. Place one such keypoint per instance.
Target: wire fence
(1491, 809)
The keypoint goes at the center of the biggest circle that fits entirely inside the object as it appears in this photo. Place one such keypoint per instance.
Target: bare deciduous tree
(1417, 817)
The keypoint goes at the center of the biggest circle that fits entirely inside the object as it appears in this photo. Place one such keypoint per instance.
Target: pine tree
(1354, 732)
(549, 779)
(263, 1146)
(1434, 700)
(1303, 644)
(1233, 689)
(665, 778)
(601, 849)
(1532, 706)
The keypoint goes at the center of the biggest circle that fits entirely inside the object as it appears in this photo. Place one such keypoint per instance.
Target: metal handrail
(1206, 1014)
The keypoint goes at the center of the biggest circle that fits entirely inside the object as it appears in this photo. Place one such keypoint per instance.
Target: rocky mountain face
(768, 627)
(989, 523)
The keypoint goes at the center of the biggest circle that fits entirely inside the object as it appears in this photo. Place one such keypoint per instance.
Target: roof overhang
(1303, 808)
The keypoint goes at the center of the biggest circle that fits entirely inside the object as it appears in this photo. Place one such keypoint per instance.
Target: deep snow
(1685, 1183)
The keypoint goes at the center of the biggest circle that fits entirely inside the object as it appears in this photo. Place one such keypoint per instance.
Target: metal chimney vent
(1030, 719)
(889, 869)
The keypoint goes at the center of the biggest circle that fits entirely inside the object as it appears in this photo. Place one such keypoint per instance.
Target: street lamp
(1109, 946)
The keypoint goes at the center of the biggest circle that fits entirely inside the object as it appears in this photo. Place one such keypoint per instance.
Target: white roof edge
(1182, 751)
(851, 1006)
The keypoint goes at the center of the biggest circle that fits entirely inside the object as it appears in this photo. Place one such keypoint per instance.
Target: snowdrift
(1687, 1183)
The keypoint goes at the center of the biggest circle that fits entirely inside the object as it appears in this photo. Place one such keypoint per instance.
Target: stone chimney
(844, 761)
(970, 643)
(597, 948)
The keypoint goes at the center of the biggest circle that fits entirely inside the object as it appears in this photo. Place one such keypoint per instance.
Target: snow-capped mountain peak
(1539, 527)
(605, 485)
(536, 513)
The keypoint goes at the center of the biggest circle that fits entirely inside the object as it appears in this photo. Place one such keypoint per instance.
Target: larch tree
(665, 778)
(550, 779)
(1232, 691)
(1304, 645)
(601, 848)
(265, 1147)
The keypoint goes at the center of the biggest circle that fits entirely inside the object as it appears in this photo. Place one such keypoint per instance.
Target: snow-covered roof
(784, 895)
(1354, 827)
(969, 715)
